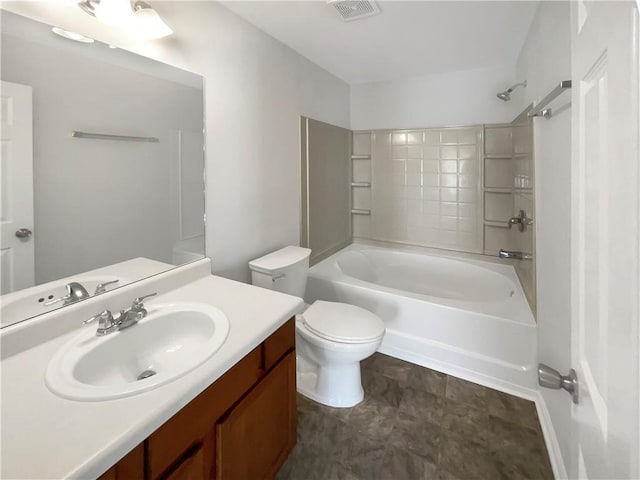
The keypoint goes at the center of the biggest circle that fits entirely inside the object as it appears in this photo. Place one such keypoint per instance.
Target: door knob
(23, 233)
(550, 378)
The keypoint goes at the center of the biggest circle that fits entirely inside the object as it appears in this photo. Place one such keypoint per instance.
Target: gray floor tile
(466, 392)
(362, 456)
(389, 367)
(384, 389)
(373, 417)
(417, 436)
(399, 464)
(504, 434)
(427, 380)
(416, 423)
(466, 459)
(466, 421)
(421, 404)
(519, 464)
(513, 409)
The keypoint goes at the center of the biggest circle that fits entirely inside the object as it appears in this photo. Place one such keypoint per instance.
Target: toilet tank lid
(280, 259)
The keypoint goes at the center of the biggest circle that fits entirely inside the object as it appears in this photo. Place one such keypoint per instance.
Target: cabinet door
(197, 464)
(255, 438)
(191, 468)
(198, 419)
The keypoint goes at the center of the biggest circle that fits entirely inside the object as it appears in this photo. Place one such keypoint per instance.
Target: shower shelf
(360, 157)
(499, 156)
(498, 189)
(496, 223)
(360, 211)
(361, 184)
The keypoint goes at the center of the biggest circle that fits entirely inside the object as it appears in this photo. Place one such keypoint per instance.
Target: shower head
(506, 95)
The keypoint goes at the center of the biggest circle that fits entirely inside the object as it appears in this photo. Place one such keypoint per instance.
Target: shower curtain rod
(539, 110)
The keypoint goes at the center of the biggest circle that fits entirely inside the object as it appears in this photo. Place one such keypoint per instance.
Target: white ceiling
(409, 38)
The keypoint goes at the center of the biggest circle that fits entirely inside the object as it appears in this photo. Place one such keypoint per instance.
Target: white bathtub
(461, 316)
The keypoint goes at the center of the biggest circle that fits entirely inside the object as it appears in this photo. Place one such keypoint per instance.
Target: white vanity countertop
(48, 437)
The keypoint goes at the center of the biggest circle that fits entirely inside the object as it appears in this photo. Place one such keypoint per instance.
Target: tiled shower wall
(425, 187)
(451, 188)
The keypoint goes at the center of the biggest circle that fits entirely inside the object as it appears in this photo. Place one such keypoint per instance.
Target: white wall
(456, 98)
(545, 61)
(99, 202)
(256, 89)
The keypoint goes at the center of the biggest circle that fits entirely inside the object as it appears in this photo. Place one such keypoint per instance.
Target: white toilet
(331, 338)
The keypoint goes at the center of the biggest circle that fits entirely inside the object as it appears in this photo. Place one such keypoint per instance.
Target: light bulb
(150, 25)
(115, 12)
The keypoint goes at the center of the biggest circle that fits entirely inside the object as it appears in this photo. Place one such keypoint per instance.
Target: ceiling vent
(354, 9)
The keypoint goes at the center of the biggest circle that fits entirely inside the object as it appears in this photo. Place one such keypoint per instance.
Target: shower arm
(513, 87)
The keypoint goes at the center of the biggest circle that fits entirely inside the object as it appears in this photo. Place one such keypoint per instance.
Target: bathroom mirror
(102, 173)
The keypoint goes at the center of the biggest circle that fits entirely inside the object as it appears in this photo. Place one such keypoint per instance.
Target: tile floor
(414, 424)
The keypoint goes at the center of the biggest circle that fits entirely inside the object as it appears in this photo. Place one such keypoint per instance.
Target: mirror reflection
(102, 168)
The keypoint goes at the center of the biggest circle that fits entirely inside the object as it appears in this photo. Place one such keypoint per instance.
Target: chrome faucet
(108, 324)
(136, 313)
(512, 254)
(75, 293)
(522, 221)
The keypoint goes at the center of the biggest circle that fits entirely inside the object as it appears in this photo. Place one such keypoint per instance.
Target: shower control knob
(23, 233)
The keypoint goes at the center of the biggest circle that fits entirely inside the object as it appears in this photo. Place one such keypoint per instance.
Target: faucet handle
(137, 303)
(106, 323)
(102, 316)
(56, 300)
(101, 287)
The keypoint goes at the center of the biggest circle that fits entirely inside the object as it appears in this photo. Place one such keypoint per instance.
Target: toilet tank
(284, 270)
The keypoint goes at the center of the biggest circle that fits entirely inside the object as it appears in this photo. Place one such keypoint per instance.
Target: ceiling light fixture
(71, 35)
(139, 17)
(149, 21)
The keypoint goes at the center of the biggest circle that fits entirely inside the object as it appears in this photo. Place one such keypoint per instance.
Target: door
(16, 189)
(605, 240)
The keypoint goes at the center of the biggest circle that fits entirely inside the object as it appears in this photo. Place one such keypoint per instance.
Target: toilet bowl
(331, 338)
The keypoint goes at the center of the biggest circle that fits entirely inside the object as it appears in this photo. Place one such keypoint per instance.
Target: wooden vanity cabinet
(242, 427)
(256, 436)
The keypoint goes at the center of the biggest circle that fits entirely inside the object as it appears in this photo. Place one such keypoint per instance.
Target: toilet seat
(343, 323)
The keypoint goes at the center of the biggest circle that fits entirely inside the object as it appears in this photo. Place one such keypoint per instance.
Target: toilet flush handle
(278, 277)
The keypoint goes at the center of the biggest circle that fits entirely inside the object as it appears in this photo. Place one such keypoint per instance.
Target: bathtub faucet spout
(511, 254)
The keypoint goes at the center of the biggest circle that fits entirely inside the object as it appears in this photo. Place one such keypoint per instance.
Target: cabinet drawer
(198, 418)
(278, 344)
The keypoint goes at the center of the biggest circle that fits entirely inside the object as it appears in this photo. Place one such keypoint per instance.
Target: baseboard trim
(550, 438)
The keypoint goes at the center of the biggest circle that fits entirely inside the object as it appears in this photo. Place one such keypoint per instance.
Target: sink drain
(146, 374)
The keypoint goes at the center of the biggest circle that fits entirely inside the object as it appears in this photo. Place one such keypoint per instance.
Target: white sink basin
(169, 342)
